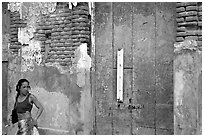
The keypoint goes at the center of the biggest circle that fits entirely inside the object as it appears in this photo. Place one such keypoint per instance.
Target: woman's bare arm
(38, 105)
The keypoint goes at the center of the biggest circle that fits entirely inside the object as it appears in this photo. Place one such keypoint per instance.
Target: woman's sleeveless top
(22, 107)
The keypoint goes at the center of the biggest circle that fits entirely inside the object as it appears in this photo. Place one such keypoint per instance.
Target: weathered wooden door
(146, 32)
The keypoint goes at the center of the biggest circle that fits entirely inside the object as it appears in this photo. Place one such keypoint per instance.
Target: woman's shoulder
(32, 97)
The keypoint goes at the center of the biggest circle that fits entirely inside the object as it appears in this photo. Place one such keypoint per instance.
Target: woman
(24, 103)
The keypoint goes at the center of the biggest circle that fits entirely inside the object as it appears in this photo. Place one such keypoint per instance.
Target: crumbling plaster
(63, 91)
(187, 88)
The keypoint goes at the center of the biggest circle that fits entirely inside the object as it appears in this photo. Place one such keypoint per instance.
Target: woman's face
(24, 88)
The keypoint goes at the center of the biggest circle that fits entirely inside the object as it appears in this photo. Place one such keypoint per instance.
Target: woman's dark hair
(18, 86)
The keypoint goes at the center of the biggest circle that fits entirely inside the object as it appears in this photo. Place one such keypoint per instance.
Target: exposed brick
(14, 46)
(14, 32)
(69, 48)
(188, 24)
(200, 13)
(190, 3)
(199, 32)
(200, 18)
(180, 4)
(61, 55)
(192, 37)
(191, 8)
(181, 29)
(180, 19)
(181, 34)
(14, 51)
(61, 48)
(41, 31)
(200, 38)
(189, 13)
(199, 8)
(199, 43)
(179, 39)
(200, 23)
(191, 18)
(180, 9)
(192, 33)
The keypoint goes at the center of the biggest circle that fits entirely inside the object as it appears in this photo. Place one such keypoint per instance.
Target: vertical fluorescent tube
(120, 75)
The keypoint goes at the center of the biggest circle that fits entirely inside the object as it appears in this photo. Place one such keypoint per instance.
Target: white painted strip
(120, 75)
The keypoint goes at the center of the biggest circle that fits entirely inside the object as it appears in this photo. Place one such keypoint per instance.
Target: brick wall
(63, 31)
(60, 33)
(189, 21)
(15, 23)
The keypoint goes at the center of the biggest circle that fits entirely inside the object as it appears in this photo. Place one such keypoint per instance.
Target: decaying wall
(43, 42)
(188, 69)
(189, 21)
(63, 89)
(5, 41)
(187, 88)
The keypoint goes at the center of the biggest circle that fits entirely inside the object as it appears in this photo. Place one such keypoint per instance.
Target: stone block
(200, 8)
(187, 13)
(181, 29)
(179, 39)
(191, 8)
(200, 18)
(191, 38)
(192, 32)
(199, 32)
(191, 18)
(181, 34)
(194, 23)
(180, 4)
(80, 12)
(200, 38)
(180, 19)
(199, 43)
(200, 23)
(190, 3)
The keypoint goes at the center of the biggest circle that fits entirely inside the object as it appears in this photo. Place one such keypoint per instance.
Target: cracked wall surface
(187, 88)
(64, 93)
(63, 90)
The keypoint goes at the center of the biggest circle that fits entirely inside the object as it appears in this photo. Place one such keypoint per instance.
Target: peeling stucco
(64, 94)
(187, 88)
(31, 54)
(83, 64)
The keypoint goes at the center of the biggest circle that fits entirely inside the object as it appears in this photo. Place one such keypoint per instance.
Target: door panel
(104, 65)
(143, 131)
(144, 67)
(146, 32)
(122, 38)
(122, 30)
(121, 114)
(165, 37)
